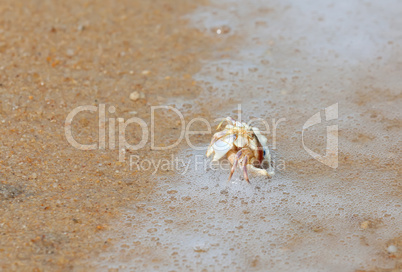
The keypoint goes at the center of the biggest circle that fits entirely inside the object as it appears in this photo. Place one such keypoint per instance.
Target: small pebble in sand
(365, 224)
(145, 72)
(392, 249)
(221, 30)
(201, 248)
(136, 95)
(81, 27)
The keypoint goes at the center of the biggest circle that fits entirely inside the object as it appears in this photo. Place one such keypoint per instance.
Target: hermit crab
(244, 146)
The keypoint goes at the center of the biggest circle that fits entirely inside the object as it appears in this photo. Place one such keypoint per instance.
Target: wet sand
(69, 209)
(284, 60)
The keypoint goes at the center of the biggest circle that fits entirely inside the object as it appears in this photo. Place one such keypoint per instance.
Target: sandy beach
(75, 195)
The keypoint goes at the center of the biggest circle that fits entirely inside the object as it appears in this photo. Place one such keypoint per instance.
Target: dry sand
(56, 200)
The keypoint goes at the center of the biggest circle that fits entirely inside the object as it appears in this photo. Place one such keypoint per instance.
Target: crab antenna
(219, 126)
(227, 119)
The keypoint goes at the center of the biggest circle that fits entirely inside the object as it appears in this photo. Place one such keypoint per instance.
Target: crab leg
(260, 171)
(229, 120)
(245, 169)
(236, 160)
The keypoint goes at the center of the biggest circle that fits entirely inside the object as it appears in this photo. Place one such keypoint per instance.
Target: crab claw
(222, 146)
(259, 171)
(217, 136)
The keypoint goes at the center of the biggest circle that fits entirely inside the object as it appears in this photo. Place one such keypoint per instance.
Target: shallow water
(286, 60)
(282, 224)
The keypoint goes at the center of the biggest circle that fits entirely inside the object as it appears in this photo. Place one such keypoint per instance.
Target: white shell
(222, 146)
(263, 140)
